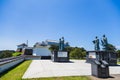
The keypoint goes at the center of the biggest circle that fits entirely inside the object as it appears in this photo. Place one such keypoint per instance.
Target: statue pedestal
(108, 56)
(60, 56)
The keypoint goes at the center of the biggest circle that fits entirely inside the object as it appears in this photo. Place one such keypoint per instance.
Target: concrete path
(47, 68)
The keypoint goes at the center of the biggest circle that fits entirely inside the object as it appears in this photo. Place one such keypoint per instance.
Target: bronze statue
(104, 43)
(61, 44)
(96, 43)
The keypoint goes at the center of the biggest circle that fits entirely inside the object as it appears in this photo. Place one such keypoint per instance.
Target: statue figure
(61, 44)
(96, 43)
(104, 43)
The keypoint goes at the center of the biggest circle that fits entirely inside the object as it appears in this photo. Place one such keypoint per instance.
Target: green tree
(54, 48)
(69, 49)
(111, 48)
(118, 53)
(78, 53)
(83, 49)
(6, 54)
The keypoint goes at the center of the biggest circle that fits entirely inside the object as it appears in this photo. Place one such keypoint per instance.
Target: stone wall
(8, 63)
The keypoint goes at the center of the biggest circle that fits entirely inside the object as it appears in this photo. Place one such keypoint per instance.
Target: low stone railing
(8, 63)
(30, 57)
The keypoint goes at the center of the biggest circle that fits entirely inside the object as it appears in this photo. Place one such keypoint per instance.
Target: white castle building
(42, 49)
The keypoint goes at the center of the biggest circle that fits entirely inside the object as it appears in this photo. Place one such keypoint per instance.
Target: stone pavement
(47, 68)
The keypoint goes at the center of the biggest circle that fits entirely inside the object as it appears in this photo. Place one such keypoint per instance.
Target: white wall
(41, 51)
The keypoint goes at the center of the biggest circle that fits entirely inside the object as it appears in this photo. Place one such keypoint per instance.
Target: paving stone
(47, 68)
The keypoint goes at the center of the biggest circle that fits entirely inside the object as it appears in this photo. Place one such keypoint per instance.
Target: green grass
(118, 62)
(16, 73)
(16, 54)
(63, 78)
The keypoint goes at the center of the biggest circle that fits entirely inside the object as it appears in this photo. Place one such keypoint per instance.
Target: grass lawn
(64, 78)
(16, 54)
(118, 62)
(17, 72)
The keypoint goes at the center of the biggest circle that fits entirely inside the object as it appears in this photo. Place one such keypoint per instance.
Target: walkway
(47, 68)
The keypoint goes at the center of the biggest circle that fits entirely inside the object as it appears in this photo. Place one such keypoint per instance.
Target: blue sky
(79, 21)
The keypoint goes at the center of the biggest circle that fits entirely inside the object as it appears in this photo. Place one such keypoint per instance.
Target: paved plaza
(47, 68)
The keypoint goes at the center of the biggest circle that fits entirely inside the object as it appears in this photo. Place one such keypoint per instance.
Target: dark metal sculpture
(104, 43)
(61, 44)
(96, 44)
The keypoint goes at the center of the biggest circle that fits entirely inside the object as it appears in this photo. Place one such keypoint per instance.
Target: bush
(78, 53)
(6, 54)
(54, 48)
(118, 53)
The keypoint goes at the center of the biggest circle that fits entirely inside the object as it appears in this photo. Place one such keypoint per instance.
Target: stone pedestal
(109, 57)
(60, 56)
(100, 69)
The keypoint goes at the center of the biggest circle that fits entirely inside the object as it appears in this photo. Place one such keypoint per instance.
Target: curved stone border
(8, 63)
